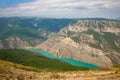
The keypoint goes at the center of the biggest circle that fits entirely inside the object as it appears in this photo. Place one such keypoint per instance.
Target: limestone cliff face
(18, 43)
(1, 45)
(103, 25)
(89, 41)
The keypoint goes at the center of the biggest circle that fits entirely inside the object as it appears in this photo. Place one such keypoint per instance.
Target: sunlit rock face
(92, 41)
(18, 43)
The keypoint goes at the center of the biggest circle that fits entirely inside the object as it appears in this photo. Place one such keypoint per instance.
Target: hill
(36, 60)
(14, 71)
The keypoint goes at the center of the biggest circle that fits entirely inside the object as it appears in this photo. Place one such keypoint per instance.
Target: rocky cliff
(18, 43)
(92, 41)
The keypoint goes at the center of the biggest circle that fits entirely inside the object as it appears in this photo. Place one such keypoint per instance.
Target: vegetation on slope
(12, 71)
(28, 58)
(32, 30)
(30, 27)
(9, 70)
(110, 39)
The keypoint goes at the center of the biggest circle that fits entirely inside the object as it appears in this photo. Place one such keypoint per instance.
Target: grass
(95, 34)
(35, 60)
(110, 38)
(6, 66)
(97, 46)
(76, 39)
(69, 33)
(13, 71)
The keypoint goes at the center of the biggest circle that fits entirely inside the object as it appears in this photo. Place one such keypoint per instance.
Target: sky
(61, 8)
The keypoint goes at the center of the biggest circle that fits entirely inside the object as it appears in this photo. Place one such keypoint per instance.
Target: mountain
(22, 32)
(92, 41)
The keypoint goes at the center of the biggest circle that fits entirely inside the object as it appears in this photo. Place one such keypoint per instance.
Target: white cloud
(65, 8)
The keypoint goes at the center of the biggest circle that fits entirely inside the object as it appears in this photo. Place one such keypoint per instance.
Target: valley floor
(10, 71)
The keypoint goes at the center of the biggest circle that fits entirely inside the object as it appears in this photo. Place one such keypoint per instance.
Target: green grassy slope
(31, 59)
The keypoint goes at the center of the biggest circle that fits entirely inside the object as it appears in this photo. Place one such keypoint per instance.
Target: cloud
(64, 8)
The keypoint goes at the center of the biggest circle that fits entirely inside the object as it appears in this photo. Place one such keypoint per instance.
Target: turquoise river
(68, 60)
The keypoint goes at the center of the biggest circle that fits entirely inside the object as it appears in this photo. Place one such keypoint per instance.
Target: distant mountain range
(21, 32)
(92, 40)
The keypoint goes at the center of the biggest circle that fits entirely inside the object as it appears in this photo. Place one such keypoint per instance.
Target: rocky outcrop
(89, 41)
(18, 43)
(1, 45)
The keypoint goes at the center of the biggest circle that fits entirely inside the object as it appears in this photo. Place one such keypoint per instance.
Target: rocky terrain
(92, 41)
(15, 42)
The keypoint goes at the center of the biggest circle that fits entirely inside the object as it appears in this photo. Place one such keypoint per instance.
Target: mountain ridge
(97, 41)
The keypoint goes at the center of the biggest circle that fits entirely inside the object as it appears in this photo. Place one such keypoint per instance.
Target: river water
(67, 60)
